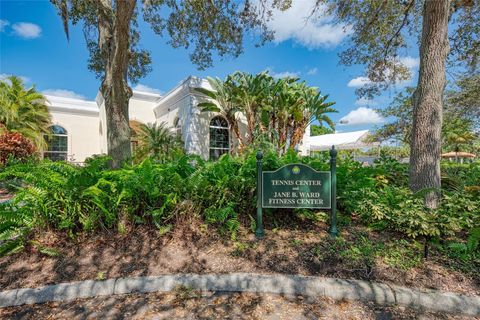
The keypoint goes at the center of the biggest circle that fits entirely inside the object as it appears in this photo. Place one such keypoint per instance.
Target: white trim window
(57, 144)
(219, 137)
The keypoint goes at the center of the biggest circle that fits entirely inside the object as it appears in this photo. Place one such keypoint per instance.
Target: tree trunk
(282, 135)
(250, 115)
(298, 133)
(236, 130)
(114, 42)
(428, 101)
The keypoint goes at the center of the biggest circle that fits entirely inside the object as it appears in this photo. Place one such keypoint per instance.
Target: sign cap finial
(333, 151)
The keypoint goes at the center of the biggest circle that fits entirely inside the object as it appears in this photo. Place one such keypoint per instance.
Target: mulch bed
(143, 251)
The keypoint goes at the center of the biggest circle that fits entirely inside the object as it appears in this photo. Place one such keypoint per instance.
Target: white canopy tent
(345, 140)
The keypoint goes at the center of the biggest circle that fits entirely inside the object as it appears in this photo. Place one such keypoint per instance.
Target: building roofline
(174, 89)
(186, 85)
(146, 96)
(59, 99)
(137, 95)
(71, 104)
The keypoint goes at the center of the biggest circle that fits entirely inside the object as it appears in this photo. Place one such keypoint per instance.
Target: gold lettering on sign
(296, 182)
(281, 201)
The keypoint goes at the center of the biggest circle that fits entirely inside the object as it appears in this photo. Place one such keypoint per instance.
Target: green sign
(296, 186)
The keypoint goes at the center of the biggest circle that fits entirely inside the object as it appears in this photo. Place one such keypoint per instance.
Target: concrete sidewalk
(381, 294)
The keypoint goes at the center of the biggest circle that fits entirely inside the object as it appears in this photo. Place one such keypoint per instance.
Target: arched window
(219, 137)
(57, 144)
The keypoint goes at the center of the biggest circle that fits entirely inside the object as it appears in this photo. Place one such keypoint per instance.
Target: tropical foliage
(277, 111)
(458, 134)
(112, 35)
(401, 110)
(222, 194)
(380, 197)
(458, 129)
(14, 146)
(24, 111)
(382, 33)
(464, 99)
(156, 141)
(317, 130)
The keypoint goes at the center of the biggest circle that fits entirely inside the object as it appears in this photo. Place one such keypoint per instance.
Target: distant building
(79, 127)
(344, 140)
(459, 156)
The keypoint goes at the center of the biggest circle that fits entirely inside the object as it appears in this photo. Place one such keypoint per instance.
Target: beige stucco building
(80, 126)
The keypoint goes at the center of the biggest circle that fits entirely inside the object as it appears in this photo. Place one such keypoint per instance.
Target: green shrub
(465, 255)
(459, 175)
(71, 198)
(226, 218)
(66, 197)
(363, 251)
(75, 199)
(402, 254)
(14, 147)
(380, 197)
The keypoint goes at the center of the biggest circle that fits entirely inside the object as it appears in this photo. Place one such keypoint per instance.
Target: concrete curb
(338, 289)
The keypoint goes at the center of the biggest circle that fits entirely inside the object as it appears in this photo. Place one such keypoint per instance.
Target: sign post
(333, 216)
(297, 186)
(259, 233)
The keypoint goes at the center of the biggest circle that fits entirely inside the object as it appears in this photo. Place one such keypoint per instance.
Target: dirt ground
(143, 251)
(186, 304)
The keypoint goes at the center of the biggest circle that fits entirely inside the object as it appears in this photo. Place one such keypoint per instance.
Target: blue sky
(33, 45)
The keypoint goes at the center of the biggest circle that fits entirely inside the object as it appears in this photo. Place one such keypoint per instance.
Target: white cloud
(362, 115)
(145, 88)
(365, 102)
(5, 75)
(358, 82)
(312, 32)
(3, 24)
(64, 93)
(410, 62)
(312, 71)
(26, 30)
(285, 74)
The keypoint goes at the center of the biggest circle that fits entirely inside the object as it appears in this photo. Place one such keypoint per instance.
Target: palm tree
(283, 109)
(296, 106)
(276, 110)
(458, 134)
(24, 111)
(157, 141)
(251, 93)
(223, 92)
(315, 108)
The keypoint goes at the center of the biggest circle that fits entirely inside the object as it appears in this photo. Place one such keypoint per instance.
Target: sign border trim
(302, 164)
